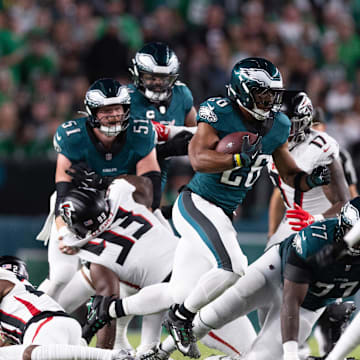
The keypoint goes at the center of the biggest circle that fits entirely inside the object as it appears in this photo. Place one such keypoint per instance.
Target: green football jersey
(75, 140)
(174, 113)
(228, 189)
(338, 280)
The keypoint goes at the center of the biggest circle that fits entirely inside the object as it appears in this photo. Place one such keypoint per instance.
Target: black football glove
(249, 152)
(319, 176)
(83, 176)
(98, 315)
(177, 146)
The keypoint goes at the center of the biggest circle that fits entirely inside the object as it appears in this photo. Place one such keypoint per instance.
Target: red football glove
(303, 217)
(162, 131)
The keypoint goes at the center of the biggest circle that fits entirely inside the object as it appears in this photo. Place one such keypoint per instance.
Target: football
(232, 143)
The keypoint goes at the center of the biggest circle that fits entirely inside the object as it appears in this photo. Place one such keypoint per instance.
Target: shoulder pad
(69, 134)
(282, 118)
(326, 146)
(209, 109)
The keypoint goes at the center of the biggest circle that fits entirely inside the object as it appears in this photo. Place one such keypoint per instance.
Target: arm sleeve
(62, 188)
(296, 269)
(348, 167)
(155, 177)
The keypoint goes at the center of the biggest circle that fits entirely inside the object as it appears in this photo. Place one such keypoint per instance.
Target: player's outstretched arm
(295, 176)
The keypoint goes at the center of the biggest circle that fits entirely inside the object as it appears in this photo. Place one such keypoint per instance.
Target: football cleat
(181, 331)
(97, 316)
(155, 353)
(333, 322)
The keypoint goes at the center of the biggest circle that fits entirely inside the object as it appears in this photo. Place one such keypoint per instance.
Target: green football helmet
(155, 70)
(105, 92)
(256, 86)
(349, 216)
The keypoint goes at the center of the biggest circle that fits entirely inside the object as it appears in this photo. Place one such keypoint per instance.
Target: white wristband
(112, 311)
(291, 350)
(63, 231)
(319, 217)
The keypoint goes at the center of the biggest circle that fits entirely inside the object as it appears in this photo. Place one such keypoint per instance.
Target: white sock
(121, 340)
(150, 331)
(70, 352)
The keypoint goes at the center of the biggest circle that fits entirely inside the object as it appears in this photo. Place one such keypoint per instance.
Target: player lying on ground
(35, 327)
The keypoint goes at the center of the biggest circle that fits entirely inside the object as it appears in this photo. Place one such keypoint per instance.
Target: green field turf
(134, 338)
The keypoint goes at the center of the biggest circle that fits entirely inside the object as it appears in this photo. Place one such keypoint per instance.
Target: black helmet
(15, 265)
(84, 210)
(155, 60)
(256, 85)
(299, 108)
(104, 92)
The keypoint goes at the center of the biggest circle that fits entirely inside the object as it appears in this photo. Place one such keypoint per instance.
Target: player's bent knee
(28, 351)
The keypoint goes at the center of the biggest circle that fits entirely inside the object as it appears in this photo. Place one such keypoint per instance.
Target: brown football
(232, 143)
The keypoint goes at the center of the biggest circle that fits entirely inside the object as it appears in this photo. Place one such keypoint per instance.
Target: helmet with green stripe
(155, 70)
(256, 86)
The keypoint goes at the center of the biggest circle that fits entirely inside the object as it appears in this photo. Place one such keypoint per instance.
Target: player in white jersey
(121, 238)
(34, 327)
(310, 148)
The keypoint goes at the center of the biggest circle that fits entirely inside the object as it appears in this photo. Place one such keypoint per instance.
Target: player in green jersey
(157, 95)
(110, 142)
(209, 250)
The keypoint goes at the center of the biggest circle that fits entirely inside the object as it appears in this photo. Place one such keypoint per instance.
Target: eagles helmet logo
(66, 211)
(350, 215)
(260, 76)
(96, 98)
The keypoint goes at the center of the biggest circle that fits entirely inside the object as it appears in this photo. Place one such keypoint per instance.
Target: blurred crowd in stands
(51, 50)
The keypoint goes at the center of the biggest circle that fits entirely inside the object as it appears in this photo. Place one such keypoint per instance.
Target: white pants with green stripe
(208, 258)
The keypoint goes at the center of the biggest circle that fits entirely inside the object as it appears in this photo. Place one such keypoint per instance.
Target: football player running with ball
(208, 258)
